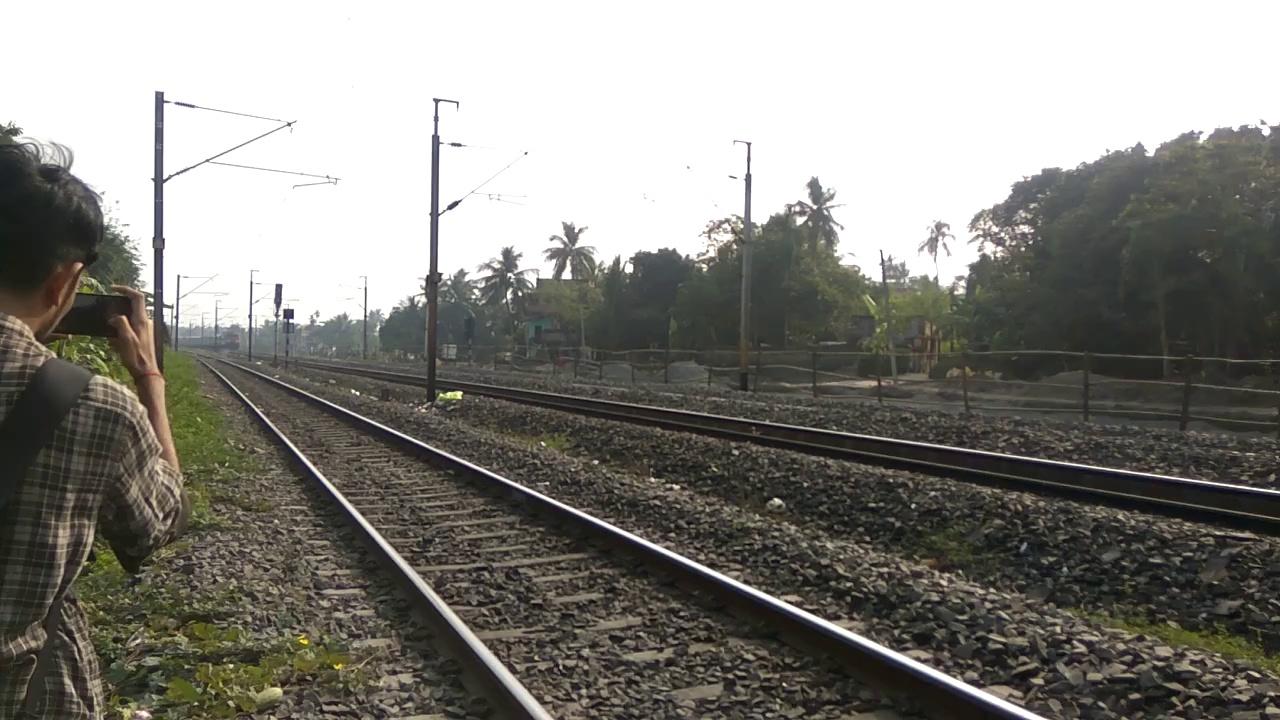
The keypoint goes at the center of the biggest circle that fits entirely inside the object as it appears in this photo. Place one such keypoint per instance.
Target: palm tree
(458, 289)
(505, 284)
(565, 252)
(939, 233)
(815, 213)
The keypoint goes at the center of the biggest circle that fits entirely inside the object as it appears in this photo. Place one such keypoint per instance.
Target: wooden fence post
(666, 366)
(1084, 382)
(814, 376)
(601, 368)
(964, 379)
(575, 364)
(879, 380)
(495, 357)
(1185, 418)
(631, 365)
(755, 387)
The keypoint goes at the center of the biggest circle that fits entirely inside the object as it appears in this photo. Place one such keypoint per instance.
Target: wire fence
(1226, 393)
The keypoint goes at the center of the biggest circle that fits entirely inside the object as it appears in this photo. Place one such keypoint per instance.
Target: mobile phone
(91, 315)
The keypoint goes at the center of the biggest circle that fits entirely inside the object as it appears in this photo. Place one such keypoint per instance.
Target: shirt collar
(16, 333)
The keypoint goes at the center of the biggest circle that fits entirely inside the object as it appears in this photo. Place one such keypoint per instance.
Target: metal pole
(251, 272)
(1084, 380)
(1185, 417)
(177, 314)
(275, 350)
(888, 319)
(879, 381)
(745, 303)
(215, 324)
(433, 279)
(157, 239)
(364, 341)
(813, 378)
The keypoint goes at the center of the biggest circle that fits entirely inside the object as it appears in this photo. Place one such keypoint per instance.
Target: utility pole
(157, 238)
(251, 328)
(177, 299)
(158, 181)
(364, 340)
(177, 295)
(275, 353)
(888, 317)
(433, 278)
(216, 309)
(744, 318)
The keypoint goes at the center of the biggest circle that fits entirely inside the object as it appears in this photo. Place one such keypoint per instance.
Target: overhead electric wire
(455, 203)
(288, 124)
(274, 170)
(225, 112)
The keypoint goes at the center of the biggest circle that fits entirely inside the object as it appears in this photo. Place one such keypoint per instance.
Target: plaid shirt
(103, 472)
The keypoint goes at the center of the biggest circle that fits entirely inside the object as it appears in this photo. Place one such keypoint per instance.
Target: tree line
(1170, 252)
(801, 291)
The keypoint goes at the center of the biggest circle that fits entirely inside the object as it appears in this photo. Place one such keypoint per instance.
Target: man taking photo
(79, 456)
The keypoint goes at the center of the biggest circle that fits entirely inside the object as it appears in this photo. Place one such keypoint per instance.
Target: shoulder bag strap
(27, 428)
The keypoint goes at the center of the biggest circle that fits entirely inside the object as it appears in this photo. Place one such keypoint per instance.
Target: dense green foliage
(118, 262)
(1175, 251)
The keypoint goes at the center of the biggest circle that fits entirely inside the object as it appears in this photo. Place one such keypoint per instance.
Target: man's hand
(135, 342)
(135, 339)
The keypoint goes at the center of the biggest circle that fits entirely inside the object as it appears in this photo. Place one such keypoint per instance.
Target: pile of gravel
(1016, 644)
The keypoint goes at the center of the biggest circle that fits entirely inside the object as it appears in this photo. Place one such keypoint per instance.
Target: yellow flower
(339, 666)
(303, 641)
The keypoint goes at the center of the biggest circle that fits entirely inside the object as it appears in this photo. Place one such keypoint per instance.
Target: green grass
(1214, 640)
(559, 442)
(951, 548)
(170, 649)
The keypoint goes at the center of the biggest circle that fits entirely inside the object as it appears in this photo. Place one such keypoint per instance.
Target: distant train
(229, 340)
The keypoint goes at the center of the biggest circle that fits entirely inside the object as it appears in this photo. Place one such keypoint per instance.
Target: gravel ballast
(296, 572)
(1015, 643)
(1070, 553)
(1203, 455)
(586, 632)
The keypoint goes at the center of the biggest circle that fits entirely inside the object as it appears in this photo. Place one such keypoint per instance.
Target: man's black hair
(47, 215)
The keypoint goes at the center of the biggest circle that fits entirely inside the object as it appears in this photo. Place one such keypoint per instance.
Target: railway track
(1238, 506)
(590, 620)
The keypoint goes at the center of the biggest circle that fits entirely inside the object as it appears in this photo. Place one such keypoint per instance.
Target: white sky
(911, 111)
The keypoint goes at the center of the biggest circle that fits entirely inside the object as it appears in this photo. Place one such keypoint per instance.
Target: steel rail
(887, 671)
(1237, 506)
(492, 680)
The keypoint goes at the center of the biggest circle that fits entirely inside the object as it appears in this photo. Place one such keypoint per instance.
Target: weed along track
(594, 621)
